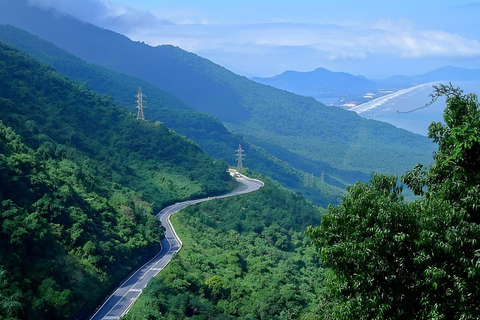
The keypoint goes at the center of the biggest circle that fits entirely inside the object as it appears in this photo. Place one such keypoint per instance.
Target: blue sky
(266, 37)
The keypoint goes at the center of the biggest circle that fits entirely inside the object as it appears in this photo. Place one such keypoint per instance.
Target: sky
(373, 38)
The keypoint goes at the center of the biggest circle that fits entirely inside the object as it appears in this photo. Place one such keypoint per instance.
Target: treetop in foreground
(393, 259)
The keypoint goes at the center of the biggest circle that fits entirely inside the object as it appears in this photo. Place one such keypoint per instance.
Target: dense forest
(80, 181)
(244, 257)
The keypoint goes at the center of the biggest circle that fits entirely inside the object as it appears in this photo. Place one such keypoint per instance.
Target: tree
(10, 306)
(396, 260)
(448, 248)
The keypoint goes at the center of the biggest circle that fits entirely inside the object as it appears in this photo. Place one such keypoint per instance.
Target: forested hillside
(204, 129)
(80, 181)
(244, 257)
(304, 130)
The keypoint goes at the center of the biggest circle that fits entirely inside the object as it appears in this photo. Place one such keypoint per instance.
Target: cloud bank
(242, 47)
(105, 14)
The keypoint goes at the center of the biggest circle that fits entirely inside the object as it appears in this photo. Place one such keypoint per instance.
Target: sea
(407, 108)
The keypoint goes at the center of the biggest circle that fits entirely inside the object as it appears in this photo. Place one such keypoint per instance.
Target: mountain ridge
(322, 82)
(446, 73)
(162, 106)
(301, 125)
(318, 82)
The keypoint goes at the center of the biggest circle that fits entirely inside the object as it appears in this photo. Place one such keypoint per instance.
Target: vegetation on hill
(392, 259)
(300, 125)
(80, 181)
(244, 257)
(204, 129)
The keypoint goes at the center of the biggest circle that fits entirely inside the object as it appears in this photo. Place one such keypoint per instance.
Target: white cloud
(284, 40)
(93, 11)
(105, 13)
(401, 38)
(396, 38)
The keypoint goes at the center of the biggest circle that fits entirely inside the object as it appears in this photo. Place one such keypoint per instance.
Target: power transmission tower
(140, 106)
(323, 176)
(240, 156)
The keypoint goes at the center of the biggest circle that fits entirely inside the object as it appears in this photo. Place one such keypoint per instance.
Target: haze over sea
(385, 108)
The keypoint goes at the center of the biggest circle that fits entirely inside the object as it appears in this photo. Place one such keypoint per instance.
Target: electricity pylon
(140, 107)
(240, 156)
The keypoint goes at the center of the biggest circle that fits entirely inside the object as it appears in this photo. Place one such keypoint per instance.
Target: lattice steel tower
(240, 156)
(140, 106)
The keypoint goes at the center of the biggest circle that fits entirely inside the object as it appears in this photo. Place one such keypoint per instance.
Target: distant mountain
(449, 73)
(320, 83)
(445, 74)
(300, 127)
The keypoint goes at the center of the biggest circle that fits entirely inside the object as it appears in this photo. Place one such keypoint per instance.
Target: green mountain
(204, 129)
(80, 181)
(295, 129)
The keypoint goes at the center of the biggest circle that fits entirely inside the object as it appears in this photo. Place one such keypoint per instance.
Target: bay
(399, 107)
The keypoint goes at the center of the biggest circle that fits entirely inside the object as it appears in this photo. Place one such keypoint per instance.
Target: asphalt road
(119, 302)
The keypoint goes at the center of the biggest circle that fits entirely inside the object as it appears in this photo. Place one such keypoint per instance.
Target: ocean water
(397, 107)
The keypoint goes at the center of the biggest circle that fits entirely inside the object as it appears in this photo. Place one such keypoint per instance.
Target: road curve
(120, 301)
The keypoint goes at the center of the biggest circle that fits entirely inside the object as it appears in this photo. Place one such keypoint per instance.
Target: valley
(121, 300)
(304, 131)
(364, 207)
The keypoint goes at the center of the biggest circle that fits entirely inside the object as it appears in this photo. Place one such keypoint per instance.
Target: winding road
(120, 301)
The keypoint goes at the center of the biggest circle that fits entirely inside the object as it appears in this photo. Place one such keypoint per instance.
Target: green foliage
(455, 174)
(391, 259)
(368, 241)
(80, 181)
(448, 246)
(244, 257)
(207, 131)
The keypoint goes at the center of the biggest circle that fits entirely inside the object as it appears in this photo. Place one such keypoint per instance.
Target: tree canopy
(79, 181)
(393, 259)
(243, 257)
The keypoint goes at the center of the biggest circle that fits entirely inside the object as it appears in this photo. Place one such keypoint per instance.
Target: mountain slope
(80, 181)
(300, 125)
(204, 129)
